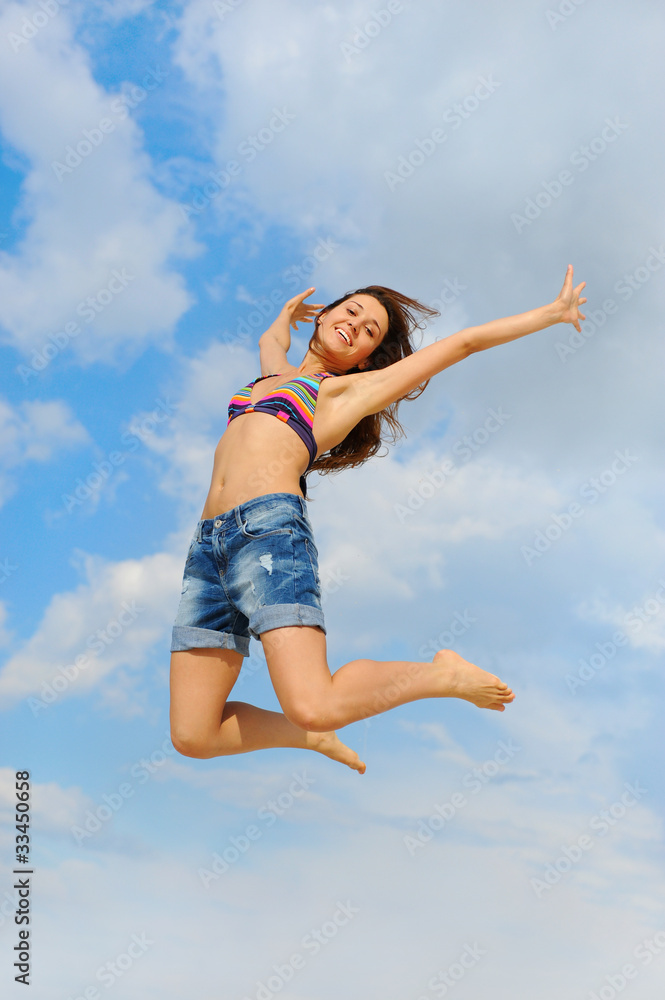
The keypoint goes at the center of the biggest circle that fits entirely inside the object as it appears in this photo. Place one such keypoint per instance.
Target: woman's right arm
(275, 342)
(273, 345)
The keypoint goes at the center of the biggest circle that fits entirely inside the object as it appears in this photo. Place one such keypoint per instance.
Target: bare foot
(331, 746)
(461, 679)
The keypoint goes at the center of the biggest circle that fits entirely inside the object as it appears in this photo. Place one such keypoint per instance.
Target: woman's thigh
(201, 682)
(298, 666)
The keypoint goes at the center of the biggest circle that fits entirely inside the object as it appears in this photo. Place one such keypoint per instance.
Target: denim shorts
(250, 569)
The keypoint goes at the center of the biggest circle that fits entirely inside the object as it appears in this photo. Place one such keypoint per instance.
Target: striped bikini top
(294, 403)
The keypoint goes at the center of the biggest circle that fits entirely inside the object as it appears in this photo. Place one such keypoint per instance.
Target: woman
(252, 563)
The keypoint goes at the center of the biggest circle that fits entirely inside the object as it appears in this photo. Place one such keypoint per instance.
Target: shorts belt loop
(199, 532)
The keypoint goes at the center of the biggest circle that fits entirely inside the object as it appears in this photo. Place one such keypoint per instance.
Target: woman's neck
(312, 365)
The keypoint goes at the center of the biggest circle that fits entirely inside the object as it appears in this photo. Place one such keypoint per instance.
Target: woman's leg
(316, 700)
(204, 724)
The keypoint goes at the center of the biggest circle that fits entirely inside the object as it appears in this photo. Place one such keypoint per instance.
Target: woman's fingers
(297, 302)
(567, 283)
(297, 299)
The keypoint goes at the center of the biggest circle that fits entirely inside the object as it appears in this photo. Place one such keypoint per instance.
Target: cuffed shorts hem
(281, 615)
(190, 637)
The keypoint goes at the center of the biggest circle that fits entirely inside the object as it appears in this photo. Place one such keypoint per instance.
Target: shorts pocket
(263, 523)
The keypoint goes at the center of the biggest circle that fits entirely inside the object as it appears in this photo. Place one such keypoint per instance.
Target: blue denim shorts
(252, 568)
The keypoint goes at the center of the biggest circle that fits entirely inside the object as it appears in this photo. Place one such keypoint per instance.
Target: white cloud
(481, 863)
(34, 431)
(112, 621)
(642, 625)
(96, 227)
(5, 635)
(241, 788)
(52, 808)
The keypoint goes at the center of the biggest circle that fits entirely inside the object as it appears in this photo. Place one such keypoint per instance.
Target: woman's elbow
(468, 343)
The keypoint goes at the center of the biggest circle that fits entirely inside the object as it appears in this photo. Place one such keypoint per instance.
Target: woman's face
(353, 330)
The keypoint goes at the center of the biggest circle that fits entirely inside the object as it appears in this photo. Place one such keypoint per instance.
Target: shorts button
(218, 524)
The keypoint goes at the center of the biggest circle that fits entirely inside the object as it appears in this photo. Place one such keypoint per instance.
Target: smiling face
(351, 331)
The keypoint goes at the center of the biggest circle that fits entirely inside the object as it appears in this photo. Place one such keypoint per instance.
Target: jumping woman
(252, 566)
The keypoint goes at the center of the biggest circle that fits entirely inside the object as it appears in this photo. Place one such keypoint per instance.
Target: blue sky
(171, 172)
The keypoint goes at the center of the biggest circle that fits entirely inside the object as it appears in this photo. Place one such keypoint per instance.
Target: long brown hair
(365, 439)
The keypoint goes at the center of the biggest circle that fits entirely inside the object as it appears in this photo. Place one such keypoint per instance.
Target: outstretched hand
(569, 301)
(298, 312)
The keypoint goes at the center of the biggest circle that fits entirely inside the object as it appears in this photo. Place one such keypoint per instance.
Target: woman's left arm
(565, 309)
(377, 389)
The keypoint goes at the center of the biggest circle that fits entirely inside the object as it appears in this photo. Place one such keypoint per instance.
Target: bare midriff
(260, 454)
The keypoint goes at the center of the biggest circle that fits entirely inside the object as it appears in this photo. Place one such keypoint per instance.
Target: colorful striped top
(294, 403)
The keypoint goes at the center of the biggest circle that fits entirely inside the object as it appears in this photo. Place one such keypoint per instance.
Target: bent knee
(309, 717)
(190, 744)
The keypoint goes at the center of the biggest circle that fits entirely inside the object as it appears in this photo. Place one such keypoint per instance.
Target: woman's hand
(568, 302)
(296, 311)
